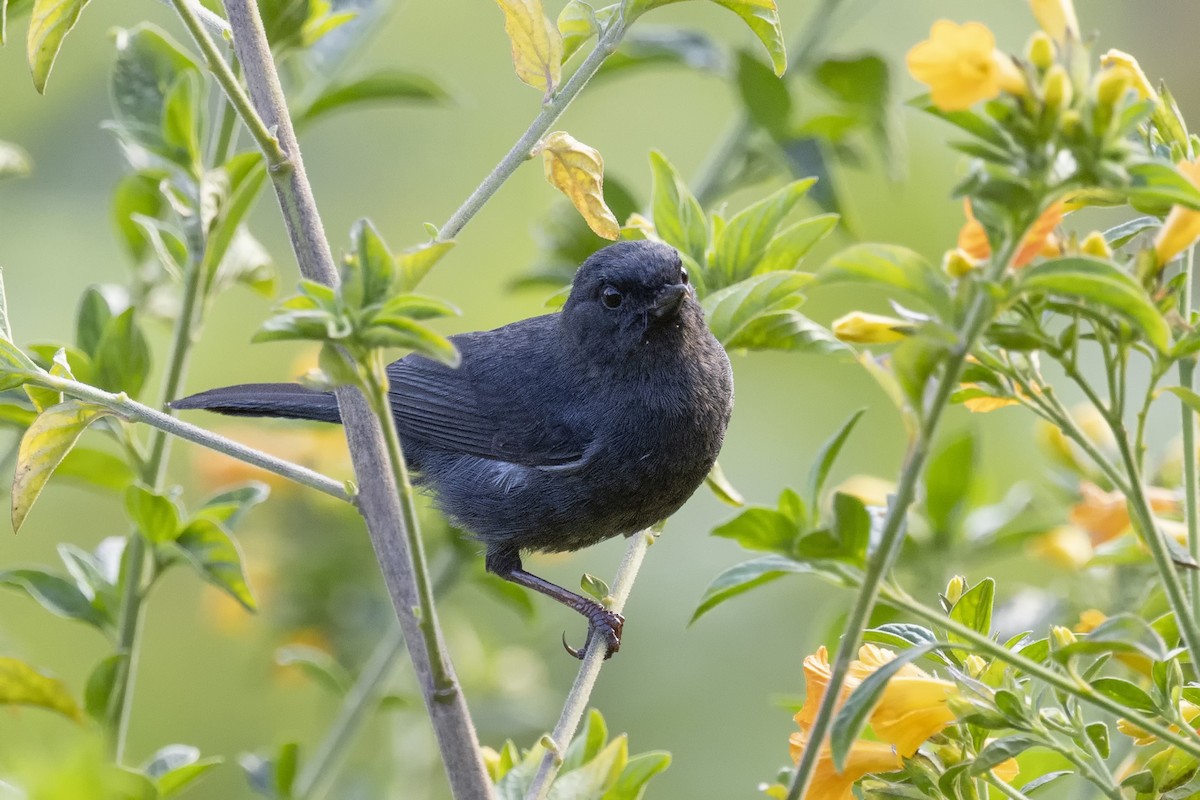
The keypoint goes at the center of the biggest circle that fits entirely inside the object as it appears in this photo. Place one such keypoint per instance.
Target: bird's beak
(668, 301)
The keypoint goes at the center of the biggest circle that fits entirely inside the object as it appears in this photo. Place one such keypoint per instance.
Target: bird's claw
(607, 624)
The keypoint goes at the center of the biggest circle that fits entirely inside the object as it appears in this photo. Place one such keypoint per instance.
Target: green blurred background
(709, 693)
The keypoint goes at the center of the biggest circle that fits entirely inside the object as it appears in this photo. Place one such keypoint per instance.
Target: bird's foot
(602, 623)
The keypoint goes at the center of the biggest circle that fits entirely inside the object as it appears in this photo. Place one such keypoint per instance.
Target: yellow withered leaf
(578, 172)
(537, 45)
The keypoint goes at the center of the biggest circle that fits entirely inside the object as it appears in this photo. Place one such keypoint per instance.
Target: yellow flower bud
(860, 327)
(1066, 546)
(1119, 60)
(1062, 636)
(1094, 244)
(491, 762)
(1056, 88)
(975, 665)
(1057, 18)
(958, 262)
(1040, 50)
(1111, 85)
(955, 588)
(1069, 122)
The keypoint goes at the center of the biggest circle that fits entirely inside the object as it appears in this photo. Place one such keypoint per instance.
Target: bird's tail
(288, 400)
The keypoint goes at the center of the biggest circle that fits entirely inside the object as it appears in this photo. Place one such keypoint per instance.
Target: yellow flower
(871, 490)
(1182, 226)
(1057, 18)
(1143, 737)
(1007, 771)
(864, 758)
(1126, 63)
(1094, 244)
(816, 681)
(1067, 546)
(913, 706)
(958, 262)
(1089, 620)
(961, 66)
(972, 237)
(863, 328)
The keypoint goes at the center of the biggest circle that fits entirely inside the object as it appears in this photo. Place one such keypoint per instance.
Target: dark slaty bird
(559, 431)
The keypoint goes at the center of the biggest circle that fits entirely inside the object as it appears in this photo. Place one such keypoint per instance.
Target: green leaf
(759, 314)
(761, 16)
(742, 243)
(89, 577)
(766, 528)
(14, 163)
(1125, 693)
(149, 64)
(851, 525)
(765, 97)
(826, 457)
(385, 86)
(722, 488)
(663, 46)
(1097, 732)
(594, 777)
(217, 557)
(97, 468)
(55, 594)
(42, 449)
(176, 766)
(22, 685)
(92, 318)
(15, 367)
(594, 587)
(153, 514)
(369, 276)
(245, 173)
(1102, 283)
(122, 359)
(889, 267)
(1120, 633)
(137, 196)
(1189, 398)
(390, 331)
(1156, 186)
(576, 24)
(948, 479)
(638, 772)
(414, 264)
(100, 684)
(318, 665)
(743, 577)
(49, 24)
(998, 751)
(853, 714)
(792, 244)
(181, 121)
(678, 218)
(974, 609)
(587, 743)
(228, 507)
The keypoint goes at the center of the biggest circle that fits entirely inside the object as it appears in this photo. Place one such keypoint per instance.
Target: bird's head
(631, 295)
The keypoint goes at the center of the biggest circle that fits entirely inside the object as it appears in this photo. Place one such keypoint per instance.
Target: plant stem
(318, 770)
(404, 570)
(1191, 492)
(892, 535)
(131, 409)
(589, 670)
(120, 699)
(521, 151)
(1082, 690)
(226, 125)
(1152, 537)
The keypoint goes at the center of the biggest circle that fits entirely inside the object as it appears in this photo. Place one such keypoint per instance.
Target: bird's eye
(683, 276)
(610, 296)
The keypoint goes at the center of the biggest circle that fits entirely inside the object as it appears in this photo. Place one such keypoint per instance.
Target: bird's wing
(459, 410)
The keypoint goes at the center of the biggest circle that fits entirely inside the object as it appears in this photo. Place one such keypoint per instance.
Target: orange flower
(1039, 240)
(865, 758)
(1089, 620)
(1181, 229)
(1105, 515)
(913, 706)
(961, 66)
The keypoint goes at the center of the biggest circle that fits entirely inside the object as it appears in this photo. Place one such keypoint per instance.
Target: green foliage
(593, 767)
(21, 684)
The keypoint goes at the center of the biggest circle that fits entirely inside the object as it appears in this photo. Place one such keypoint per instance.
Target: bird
(558, 431)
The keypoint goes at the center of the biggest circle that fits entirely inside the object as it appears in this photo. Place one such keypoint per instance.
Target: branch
(379, 501)
(589, 670)
(122, 406)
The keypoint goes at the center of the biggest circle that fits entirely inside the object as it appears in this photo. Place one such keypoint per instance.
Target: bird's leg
(606, 624)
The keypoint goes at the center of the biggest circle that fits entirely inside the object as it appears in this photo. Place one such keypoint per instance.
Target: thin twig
(131, 409)
(581, 691)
